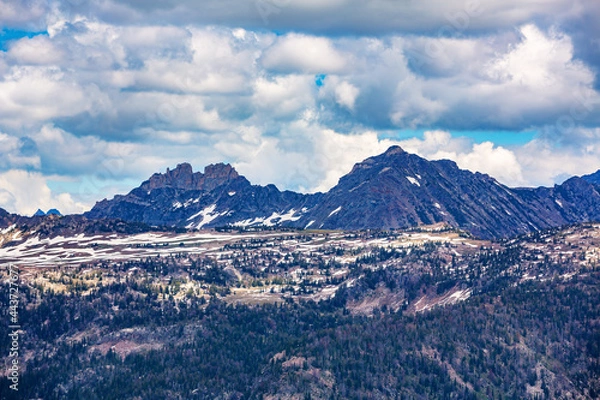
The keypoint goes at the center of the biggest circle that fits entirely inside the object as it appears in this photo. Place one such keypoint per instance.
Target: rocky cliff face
(392, 190)
(217, 197)
(183, 177)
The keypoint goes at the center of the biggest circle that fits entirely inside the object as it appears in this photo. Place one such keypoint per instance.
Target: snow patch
(177, 205)
(279, 218)
(10, 228)
(559, 203)
(309, 224)
(356, 187)
(437, 205)
(412, 180)
(208, 215)
(231, 193)
(249, 222)
(274, 219)
(334, 211)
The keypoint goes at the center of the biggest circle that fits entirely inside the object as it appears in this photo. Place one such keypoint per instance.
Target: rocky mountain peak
(393, 156)
(218, 174)
(183, 177)
(181, 169)
(220, 171)
(394, 150)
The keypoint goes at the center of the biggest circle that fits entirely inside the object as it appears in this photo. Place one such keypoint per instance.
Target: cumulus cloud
(301, 53)
(18, 153)
(497, 161)
(546, 161)
(346, 94)
(340, 92)
(284, 95)
(306, 157)
(39, 50)
(516, 85)
(118, 90)
(30, 14)
(24, 192)
(94, 74)
(32, 95)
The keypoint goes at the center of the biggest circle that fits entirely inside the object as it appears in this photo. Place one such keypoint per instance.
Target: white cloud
(39, 50)
(101, 89)
(283, 96)
(24, 192)
(497, 161)
(12, 154)
(306, 157)
(30, 14)
(527, 81)
(546, 162)
(542, 65)
(346, 94)
(31, 95)
(301, 53)
(339, 91)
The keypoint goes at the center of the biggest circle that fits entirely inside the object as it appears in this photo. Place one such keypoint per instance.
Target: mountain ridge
(391, 190)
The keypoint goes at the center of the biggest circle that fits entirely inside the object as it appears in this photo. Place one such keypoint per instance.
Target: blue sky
(97, 95)
(8, 36)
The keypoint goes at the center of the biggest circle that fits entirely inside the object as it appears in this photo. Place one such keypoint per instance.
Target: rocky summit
(217, 197)
(393, 190)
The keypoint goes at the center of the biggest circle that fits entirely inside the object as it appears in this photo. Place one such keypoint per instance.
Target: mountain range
(392, 190)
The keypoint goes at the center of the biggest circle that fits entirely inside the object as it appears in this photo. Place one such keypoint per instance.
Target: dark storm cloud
(328, 16)
(433, 18)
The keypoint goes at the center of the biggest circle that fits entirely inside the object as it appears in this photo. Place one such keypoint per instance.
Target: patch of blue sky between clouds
(9, 35)
(320, 79)
(90, 188)
(500, 138)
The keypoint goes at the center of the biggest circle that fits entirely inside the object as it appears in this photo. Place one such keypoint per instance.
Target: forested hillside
(512, 320)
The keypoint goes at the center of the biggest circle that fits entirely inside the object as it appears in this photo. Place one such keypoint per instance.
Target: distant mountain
(14, 227)
(41, 213)
(217, 197)
(392, 190)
